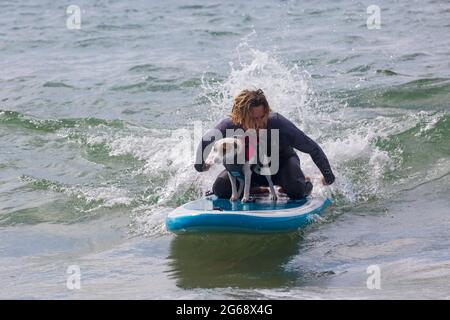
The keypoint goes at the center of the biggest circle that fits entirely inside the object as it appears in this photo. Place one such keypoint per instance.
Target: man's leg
(291, 178)
(222, 185)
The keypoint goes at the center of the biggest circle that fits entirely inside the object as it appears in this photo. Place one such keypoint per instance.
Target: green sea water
(97, 141)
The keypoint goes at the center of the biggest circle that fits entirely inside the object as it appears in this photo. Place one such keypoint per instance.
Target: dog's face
(224, 150)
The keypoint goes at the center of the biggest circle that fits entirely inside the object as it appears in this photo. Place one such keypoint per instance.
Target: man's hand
(206, 167)
(324, 182)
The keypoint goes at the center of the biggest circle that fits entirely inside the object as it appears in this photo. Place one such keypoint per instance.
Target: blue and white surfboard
(211, 214)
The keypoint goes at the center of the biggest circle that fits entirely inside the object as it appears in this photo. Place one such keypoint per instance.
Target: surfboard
(211, 214)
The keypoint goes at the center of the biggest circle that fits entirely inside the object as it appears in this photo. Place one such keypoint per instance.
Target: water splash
(360, 165)
(366, 148)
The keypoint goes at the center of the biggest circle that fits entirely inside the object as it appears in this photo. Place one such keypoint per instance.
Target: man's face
(257, 116)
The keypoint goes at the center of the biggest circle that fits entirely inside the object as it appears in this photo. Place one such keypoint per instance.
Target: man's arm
(294, 137)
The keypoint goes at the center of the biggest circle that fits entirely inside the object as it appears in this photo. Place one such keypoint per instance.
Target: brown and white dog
(227, 151)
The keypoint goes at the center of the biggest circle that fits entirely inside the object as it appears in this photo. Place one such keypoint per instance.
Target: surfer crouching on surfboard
(251, 111)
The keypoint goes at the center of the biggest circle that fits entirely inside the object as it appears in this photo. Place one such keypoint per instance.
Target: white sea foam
(102, 196)
(110, 196)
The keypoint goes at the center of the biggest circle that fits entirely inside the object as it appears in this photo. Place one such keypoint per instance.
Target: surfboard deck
(263, 215)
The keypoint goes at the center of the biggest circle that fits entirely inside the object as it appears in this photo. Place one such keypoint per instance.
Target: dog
(228, 151)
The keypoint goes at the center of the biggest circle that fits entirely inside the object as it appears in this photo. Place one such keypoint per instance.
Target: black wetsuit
(289, 176)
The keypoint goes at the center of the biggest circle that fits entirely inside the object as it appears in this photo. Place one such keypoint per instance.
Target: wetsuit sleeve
(294, 137)
(207, 139)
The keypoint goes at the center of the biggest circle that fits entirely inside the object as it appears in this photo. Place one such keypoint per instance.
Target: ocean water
(98, 128)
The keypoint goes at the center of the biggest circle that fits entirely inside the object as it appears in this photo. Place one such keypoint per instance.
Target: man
(251, 111)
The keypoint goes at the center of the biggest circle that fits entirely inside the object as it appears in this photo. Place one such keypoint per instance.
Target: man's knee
(297, 189)
(222, 187)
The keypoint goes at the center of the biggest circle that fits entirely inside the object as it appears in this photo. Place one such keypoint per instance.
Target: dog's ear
(239, 139)
(228, 147)
(224, 148)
